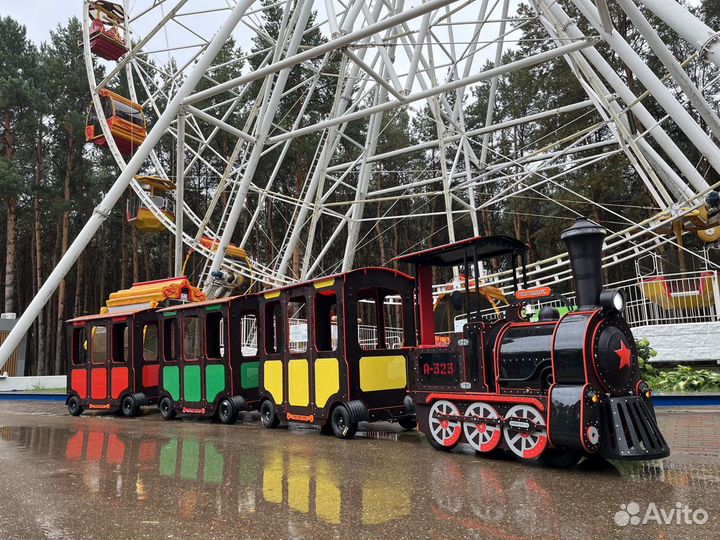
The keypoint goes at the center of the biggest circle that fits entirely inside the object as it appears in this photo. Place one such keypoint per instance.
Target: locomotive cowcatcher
(556, 388)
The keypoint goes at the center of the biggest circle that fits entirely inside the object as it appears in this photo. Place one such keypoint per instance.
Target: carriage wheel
(482, 437)
(526, 443)
(446, 433)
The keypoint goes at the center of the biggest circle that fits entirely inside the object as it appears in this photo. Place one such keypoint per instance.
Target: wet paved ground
(100, 476)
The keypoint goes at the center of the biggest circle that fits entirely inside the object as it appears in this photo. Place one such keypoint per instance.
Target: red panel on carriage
(119, 381)
(78, 382)
(151, 375)
(98, 383)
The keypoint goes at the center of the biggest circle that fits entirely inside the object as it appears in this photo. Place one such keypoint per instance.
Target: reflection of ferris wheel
(374, 60)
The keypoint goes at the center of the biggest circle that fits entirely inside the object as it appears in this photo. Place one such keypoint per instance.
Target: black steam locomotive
(556, 388)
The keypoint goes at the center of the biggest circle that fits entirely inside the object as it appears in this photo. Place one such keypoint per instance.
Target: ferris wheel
(164, 93)
(374, 60)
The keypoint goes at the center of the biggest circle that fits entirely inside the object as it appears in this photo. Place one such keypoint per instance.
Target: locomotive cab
(458, 359)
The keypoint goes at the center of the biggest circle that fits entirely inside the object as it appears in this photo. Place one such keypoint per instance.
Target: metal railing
(692, 297)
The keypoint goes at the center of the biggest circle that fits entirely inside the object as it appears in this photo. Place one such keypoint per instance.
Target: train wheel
(167, 408)
(74, 406)
(129, 407)
(408, 423)
(525, 432)
(226, 412)
(342, 426)
(482, 436)
(268, 417)
(445, 433)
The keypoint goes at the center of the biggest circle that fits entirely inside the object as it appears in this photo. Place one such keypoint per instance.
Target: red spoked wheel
(480, 434)
(444, 432)
(525, 431)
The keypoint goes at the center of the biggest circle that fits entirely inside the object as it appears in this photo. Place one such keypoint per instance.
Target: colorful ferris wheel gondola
(125, 119)
(141, 215)
(107, 30)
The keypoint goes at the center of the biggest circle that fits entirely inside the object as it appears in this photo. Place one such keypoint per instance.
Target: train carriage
(113, 362)
(334, 352)
(209, 359)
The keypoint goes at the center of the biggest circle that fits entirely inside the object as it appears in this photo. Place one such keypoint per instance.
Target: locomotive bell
(584, 242)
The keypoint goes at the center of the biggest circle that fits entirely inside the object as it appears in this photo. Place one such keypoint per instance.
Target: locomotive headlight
(612, 299)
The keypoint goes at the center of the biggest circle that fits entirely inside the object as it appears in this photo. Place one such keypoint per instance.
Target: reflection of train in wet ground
(558, 388)
(211, 476)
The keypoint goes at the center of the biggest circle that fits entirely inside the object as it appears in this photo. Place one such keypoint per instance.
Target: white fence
(693, 297)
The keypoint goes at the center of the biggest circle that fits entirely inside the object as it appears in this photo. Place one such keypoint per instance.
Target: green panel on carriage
(168, 458)
(214, 381)
(190, 459)
(171, 381)
(250, 375)
(214, 465)
(191, 386)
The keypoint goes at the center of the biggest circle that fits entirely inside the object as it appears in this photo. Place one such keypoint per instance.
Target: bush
(645, 353)
(680, 379)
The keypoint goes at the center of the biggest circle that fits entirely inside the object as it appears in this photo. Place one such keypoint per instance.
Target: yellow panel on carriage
(298, 383)
(273, 379)
(382, 373)
(327, 380)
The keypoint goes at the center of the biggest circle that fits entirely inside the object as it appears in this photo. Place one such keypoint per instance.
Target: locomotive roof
(454, 254)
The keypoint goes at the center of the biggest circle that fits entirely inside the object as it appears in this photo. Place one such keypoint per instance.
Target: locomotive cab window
(325, 322)
(120, 343)
(98, 345)
(150, 342)
(215, 342)
(298, 324)
(192, 347)
(79, 346)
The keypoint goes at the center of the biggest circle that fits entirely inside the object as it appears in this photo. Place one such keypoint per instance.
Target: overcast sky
(40, 16)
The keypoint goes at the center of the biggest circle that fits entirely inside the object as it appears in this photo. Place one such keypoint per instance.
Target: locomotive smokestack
(584, 242)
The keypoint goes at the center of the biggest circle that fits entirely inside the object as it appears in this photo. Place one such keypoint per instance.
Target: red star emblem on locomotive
(624, 354)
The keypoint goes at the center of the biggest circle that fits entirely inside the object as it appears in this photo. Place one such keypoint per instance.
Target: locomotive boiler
(557, 387)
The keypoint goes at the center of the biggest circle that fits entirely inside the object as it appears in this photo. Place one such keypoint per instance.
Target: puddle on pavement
(315, 486)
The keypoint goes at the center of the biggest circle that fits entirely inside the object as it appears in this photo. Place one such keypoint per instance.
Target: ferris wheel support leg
(179, 192)
(608, 73)
(673, 66)
(654, 85)
(102, 211)
(697, 33)
(264, 122)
